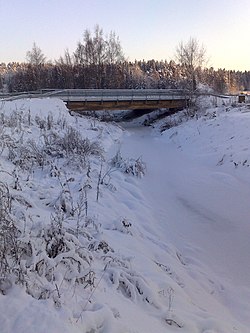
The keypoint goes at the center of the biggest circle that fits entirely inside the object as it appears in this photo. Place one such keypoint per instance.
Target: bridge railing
(100, 94)
(119, 94)
(114, 95)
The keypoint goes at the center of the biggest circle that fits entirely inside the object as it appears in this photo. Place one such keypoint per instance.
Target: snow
(163, 251)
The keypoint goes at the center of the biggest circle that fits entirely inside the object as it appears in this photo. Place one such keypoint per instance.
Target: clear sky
(148, 29)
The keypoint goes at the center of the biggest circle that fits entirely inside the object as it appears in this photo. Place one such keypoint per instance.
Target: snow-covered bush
(27, 155)
(9, 247)
(135, 167)
(57, 258)
(41, 259)
(68, 145)
(47, 255)
(72, 143)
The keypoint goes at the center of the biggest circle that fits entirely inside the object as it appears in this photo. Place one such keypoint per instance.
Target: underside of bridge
(82, 106)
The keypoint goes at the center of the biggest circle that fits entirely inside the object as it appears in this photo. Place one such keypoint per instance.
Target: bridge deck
(124, 105)
(113, 99)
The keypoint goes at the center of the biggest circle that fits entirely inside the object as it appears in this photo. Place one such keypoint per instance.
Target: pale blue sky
(147, 28)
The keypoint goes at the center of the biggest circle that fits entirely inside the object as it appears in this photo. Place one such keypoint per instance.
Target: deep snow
(169, 250)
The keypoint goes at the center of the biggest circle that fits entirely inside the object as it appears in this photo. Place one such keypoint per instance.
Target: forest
(98, 62)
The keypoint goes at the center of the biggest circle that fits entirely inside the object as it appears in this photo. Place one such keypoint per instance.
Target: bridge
(120, 99)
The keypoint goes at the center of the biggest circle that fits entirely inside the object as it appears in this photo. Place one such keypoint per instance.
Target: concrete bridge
(121, 99)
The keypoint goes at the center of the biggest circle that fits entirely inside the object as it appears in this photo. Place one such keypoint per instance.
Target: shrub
(135, 167)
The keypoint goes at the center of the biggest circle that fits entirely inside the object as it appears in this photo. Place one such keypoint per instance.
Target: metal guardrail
(28, 94)
(111, 94)
(119, 94)
(100, 94)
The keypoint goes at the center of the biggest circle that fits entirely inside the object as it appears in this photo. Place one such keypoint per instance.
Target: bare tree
(35, 56)
(93, 49)
(66, 59)
(96, 52)
(65, 66)
(114, 49)
(36, 60)
(97, 49)
(191, 55)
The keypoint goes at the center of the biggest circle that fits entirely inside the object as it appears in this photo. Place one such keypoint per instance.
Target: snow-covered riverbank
(165, 252)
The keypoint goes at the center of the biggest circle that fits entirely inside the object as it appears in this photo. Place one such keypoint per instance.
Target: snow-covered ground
(96, 244)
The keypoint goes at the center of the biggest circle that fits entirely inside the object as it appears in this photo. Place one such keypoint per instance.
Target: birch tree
(191, 55)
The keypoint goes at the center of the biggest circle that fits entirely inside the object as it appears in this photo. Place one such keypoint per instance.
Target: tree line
(98, 62)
